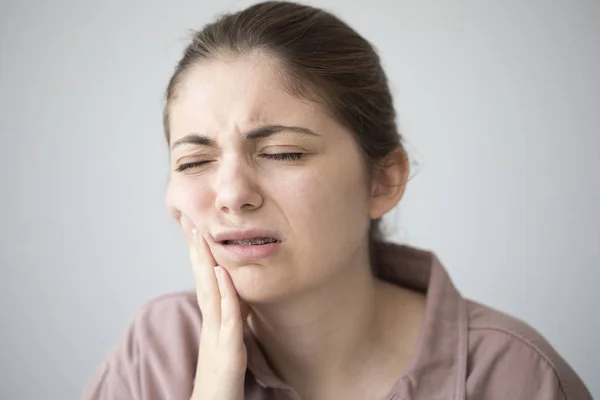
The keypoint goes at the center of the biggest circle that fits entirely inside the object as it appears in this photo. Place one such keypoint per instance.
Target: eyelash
(277, 156)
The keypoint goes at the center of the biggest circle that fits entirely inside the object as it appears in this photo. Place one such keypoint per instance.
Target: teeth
(251, 242)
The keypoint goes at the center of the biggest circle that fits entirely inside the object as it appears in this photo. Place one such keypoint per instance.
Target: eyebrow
(259, 133)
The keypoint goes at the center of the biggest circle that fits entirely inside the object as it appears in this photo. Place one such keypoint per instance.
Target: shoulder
(178, 309)
(158, 348)
(168, 324)
(507, 358)
(172, 320)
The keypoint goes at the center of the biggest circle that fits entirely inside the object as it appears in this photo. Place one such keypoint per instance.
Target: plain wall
(499, 103)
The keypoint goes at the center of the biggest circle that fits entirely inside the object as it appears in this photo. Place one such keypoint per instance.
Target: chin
(257, 284)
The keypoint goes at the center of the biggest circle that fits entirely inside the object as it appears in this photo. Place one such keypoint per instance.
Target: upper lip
(242, 234)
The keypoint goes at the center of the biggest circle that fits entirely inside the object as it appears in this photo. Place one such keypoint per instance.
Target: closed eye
(275, 156)
(183, 167)
(284, 156)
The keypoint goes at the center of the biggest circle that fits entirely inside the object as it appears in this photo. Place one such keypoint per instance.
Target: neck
(324, 335)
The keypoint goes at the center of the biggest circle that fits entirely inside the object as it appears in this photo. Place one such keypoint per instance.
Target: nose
(236, 188)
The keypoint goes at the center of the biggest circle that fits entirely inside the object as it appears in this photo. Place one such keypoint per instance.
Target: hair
(323, 60)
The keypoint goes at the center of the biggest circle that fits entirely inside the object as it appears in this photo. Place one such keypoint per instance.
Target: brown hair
(324, 60)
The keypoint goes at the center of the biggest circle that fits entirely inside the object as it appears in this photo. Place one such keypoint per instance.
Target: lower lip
(253, 252)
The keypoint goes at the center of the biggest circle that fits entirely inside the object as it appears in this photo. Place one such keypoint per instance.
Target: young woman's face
(317, 202)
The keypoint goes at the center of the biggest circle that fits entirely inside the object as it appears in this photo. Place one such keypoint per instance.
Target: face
(267, 160)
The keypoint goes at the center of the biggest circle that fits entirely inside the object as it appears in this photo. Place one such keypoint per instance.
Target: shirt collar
(438, 368)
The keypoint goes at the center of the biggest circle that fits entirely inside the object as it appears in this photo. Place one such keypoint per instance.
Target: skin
(327, 326)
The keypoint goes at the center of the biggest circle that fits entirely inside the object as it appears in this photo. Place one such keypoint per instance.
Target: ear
(388, 183)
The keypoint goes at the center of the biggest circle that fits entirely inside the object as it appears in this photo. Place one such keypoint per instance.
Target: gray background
(499, 102)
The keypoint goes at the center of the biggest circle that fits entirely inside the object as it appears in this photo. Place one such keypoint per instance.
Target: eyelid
(279, 156)
(189, 165)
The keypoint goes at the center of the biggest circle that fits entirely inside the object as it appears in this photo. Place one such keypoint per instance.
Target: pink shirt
(465, 350)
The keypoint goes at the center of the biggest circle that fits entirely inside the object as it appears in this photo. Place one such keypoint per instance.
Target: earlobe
(389, 183)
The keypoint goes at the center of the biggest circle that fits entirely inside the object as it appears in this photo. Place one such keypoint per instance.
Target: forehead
(238, 93)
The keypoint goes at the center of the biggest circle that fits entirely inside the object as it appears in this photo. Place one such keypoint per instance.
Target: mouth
(250, 246)
(258, 241)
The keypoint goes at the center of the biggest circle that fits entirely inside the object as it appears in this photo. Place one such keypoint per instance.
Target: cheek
(187, 198)
(326, 213)
(326, 205)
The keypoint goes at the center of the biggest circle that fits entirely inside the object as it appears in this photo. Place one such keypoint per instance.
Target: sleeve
(156, 357)
(505, 365)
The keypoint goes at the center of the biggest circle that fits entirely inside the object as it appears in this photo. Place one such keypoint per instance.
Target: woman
(285, 156)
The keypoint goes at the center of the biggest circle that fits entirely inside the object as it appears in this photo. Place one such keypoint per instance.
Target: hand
(222, 356)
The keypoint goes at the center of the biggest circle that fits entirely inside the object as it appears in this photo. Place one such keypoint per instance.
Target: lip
(242, 234)
(252, 252)
(246, 253)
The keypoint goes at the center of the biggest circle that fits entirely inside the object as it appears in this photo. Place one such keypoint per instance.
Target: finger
(231, 317)
(207, 290)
